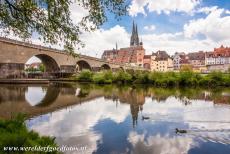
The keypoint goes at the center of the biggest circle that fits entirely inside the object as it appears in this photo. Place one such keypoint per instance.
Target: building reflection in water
(107, 118)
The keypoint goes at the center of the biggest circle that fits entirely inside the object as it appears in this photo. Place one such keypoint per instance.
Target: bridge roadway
(14, 55)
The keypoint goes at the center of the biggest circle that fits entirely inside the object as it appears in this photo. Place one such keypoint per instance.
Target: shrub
(122, 77)
(183, 78)
(103, 77)
(85, 76)
(15, 134)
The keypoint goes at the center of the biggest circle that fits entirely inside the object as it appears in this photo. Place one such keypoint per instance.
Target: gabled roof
(161, 55)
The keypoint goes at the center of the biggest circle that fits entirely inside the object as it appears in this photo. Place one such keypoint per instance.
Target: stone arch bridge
(14, 54)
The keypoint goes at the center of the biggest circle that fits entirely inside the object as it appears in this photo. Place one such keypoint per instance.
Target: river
(137, 119)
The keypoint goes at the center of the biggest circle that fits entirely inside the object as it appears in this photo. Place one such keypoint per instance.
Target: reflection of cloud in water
(198, 114)
(76, 125)
(34, 95)
(73, 126)
(159, 144)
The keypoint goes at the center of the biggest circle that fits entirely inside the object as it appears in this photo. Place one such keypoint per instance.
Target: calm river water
(124, 119)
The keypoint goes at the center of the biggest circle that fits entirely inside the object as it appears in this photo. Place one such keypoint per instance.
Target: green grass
(159, 79)
(13, 133)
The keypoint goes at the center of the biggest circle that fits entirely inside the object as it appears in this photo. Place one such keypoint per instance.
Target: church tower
(134, 40)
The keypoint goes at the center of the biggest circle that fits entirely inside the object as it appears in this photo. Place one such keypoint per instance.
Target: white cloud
(162, 6)
(77, 12)
(74, 127)
(159, 144)
(227, 11)
(215, 27)
(98, 41)
(206, 10)
(150, 28)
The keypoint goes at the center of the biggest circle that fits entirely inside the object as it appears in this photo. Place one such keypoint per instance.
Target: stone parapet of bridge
(14, 55)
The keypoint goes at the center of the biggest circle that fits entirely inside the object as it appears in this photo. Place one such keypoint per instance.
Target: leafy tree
(51, 18)
(42, 68)
(186, 68)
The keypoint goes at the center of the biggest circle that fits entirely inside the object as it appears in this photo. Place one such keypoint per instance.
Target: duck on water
(181, 131)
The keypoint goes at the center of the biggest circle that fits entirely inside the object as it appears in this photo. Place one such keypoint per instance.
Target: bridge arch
(105, 67)
(44, 95)
(50, 63)
(82, 64)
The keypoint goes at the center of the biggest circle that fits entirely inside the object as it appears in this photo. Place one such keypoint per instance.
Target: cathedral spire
(134, 40)
(133, 29)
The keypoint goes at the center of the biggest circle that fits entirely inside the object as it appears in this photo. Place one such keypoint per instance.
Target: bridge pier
(11, 70)
(96, 69)
(68, 68)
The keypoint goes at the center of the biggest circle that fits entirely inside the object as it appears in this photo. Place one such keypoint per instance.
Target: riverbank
(15, 136)
(24, 81)
(34, 81)
(159, 79)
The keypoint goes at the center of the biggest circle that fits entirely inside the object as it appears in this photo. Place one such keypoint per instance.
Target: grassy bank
(186, 78)
(13, 133)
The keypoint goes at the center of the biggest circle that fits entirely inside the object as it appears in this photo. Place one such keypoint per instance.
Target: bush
(15, 134)
(85, 76)
(183, 78)
(105, 77)
(122, 77)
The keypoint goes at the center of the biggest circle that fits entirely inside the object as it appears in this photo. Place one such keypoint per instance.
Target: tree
(51, 18)
(42, 68)
(186, 68)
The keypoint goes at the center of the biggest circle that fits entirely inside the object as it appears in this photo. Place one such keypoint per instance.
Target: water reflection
(34, 95)
(108, 119)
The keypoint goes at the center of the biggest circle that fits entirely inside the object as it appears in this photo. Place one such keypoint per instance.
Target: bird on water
(181, 131)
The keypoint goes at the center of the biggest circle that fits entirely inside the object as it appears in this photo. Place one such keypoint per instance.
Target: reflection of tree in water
(161, 94)
(83, 93)
(12, 93)
(135, 96)
(84, 90)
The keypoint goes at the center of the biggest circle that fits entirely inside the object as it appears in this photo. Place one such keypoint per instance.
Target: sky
(170, 25)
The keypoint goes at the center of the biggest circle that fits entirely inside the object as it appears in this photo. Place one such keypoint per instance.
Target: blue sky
(165, 23)
(170, 25)
(173, 26)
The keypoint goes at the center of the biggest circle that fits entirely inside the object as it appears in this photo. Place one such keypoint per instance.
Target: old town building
(197, 61)
(177, 60)
(193, 60)
(161, 61)
(219, 59)
(133, 55)
(147, 62)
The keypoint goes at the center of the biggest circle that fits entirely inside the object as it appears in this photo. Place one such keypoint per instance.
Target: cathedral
(134, 40)
(132, 55)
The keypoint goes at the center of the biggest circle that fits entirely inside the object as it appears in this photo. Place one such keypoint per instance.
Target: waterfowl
(182, 131)
(145, 118)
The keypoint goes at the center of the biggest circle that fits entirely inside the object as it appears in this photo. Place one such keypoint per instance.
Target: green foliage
(15, 134)
(42, 68)
(85, 76)
(141, 77)
(160, 79)
(51, 19)
(103, 77)
(122, 77)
